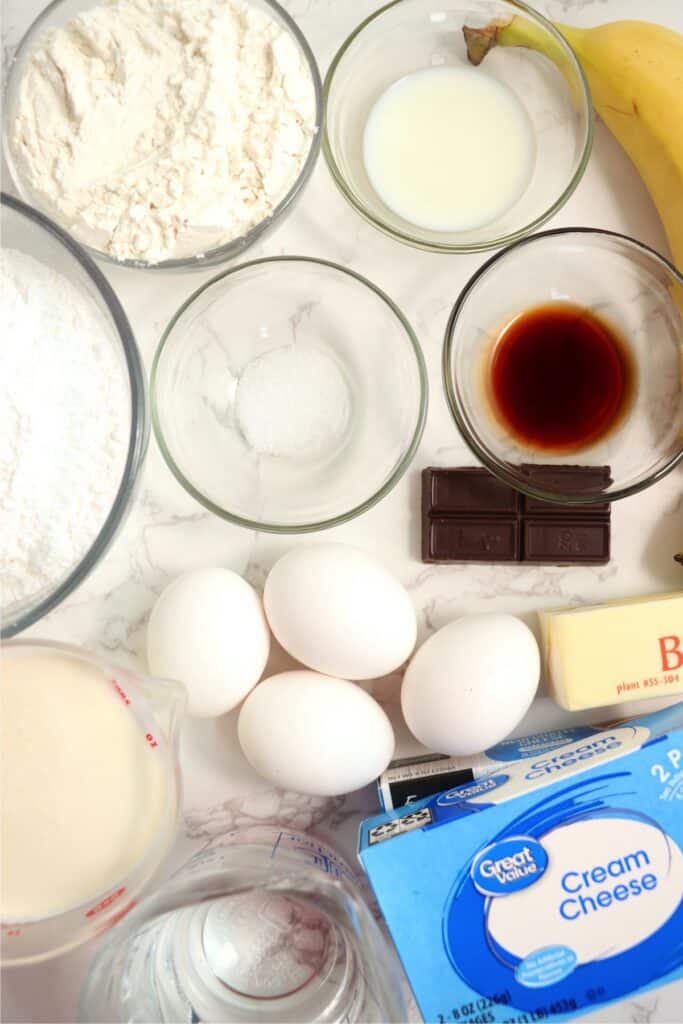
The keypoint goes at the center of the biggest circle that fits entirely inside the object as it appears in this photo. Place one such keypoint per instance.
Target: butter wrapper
(606, 654)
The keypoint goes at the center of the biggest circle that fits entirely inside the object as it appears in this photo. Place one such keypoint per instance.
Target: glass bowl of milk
(446, 156)
(90, 794)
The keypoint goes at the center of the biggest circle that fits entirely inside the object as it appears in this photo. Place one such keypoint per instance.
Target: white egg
(336, 609)
(208, 630)
(471, 683)
(314, 734)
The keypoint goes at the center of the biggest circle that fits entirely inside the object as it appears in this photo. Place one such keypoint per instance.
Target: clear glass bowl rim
(497, 467)
(139, 425)
(222, 253)
(298, 528)
(450, 247)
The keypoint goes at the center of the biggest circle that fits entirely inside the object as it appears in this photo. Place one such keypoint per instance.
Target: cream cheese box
(544, 891)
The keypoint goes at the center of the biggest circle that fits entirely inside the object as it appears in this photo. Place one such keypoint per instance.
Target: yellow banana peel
(635, 73)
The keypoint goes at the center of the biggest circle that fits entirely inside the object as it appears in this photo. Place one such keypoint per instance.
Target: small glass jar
(264, 925)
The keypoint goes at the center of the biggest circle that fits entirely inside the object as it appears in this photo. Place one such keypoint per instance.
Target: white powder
(292, 402)
(63, 424)
(157, 129)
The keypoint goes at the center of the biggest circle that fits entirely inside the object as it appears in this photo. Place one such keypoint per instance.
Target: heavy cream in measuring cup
(84, 790)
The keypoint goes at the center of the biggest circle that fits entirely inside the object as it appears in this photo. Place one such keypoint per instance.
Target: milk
(84, 790)
(449, 148)
(545, 890)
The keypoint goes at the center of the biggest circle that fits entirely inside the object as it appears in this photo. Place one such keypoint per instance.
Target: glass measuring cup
(157, 707)
(265, 924)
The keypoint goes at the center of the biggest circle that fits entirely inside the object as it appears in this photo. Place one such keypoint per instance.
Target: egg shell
(337, 610)
(471, 683)
(314, 734)
(207, 629)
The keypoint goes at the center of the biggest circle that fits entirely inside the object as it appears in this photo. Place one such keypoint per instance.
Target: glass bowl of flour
(288, 394)
(166, 135)
(73, 416)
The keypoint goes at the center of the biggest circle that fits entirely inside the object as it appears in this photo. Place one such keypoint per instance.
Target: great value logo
(471, 790)
(508, 866)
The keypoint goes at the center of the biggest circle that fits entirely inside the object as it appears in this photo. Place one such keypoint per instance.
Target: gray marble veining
(168, 533)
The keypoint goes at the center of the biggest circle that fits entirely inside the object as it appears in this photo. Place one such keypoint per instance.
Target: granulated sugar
(293, 402)
(63, 422)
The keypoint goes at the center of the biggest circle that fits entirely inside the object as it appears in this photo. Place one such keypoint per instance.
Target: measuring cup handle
(168, 700)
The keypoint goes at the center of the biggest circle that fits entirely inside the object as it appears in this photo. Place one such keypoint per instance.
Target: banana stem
(480, 40)
(519, 31)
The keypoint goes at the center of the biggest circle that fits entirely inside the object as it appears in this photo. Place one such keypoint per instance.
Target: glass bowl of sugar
(288, 395)
(444, 155)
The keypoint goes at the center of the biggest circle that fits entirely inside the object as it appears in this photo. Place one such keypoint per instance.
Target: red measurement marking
(114, 919)
(121, 913)
(106, 902)
(150, 739)
(11, 932)
(122, 693)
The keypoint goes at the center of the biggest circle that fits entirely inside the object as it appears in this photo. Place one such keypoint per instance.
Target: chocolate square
(468, 515)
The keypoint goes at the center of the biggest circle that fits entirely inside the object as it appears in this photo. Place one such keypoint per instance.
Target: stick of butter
(609, 653)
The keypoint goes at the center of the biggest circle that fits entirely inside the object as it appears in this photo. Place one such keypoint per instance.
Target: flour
(157, 129)
(63, 425)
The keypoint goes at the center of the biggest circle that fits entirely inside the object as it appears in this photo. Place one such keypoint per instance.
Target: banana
(635, 73)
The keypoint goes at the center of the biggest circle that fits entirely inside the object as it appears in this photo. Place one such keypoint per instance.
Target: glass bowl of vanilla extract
(566, 349)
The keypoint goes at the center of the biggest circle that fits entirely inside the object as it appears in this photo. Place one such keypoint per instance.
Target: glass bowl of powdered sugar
(288, 394)
(73, 416)
(164, 135)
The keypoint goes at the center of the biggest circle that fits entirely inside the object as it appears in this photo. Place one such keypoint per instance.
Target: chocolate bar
(468, 515)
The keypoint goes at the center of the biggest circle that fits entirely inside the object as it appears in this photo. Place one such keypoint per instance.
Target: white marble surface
(167, 532)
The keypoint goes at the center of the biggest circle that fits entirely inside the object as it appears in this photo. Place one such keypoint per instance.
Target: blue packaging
(406, 781)
(545, 890)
